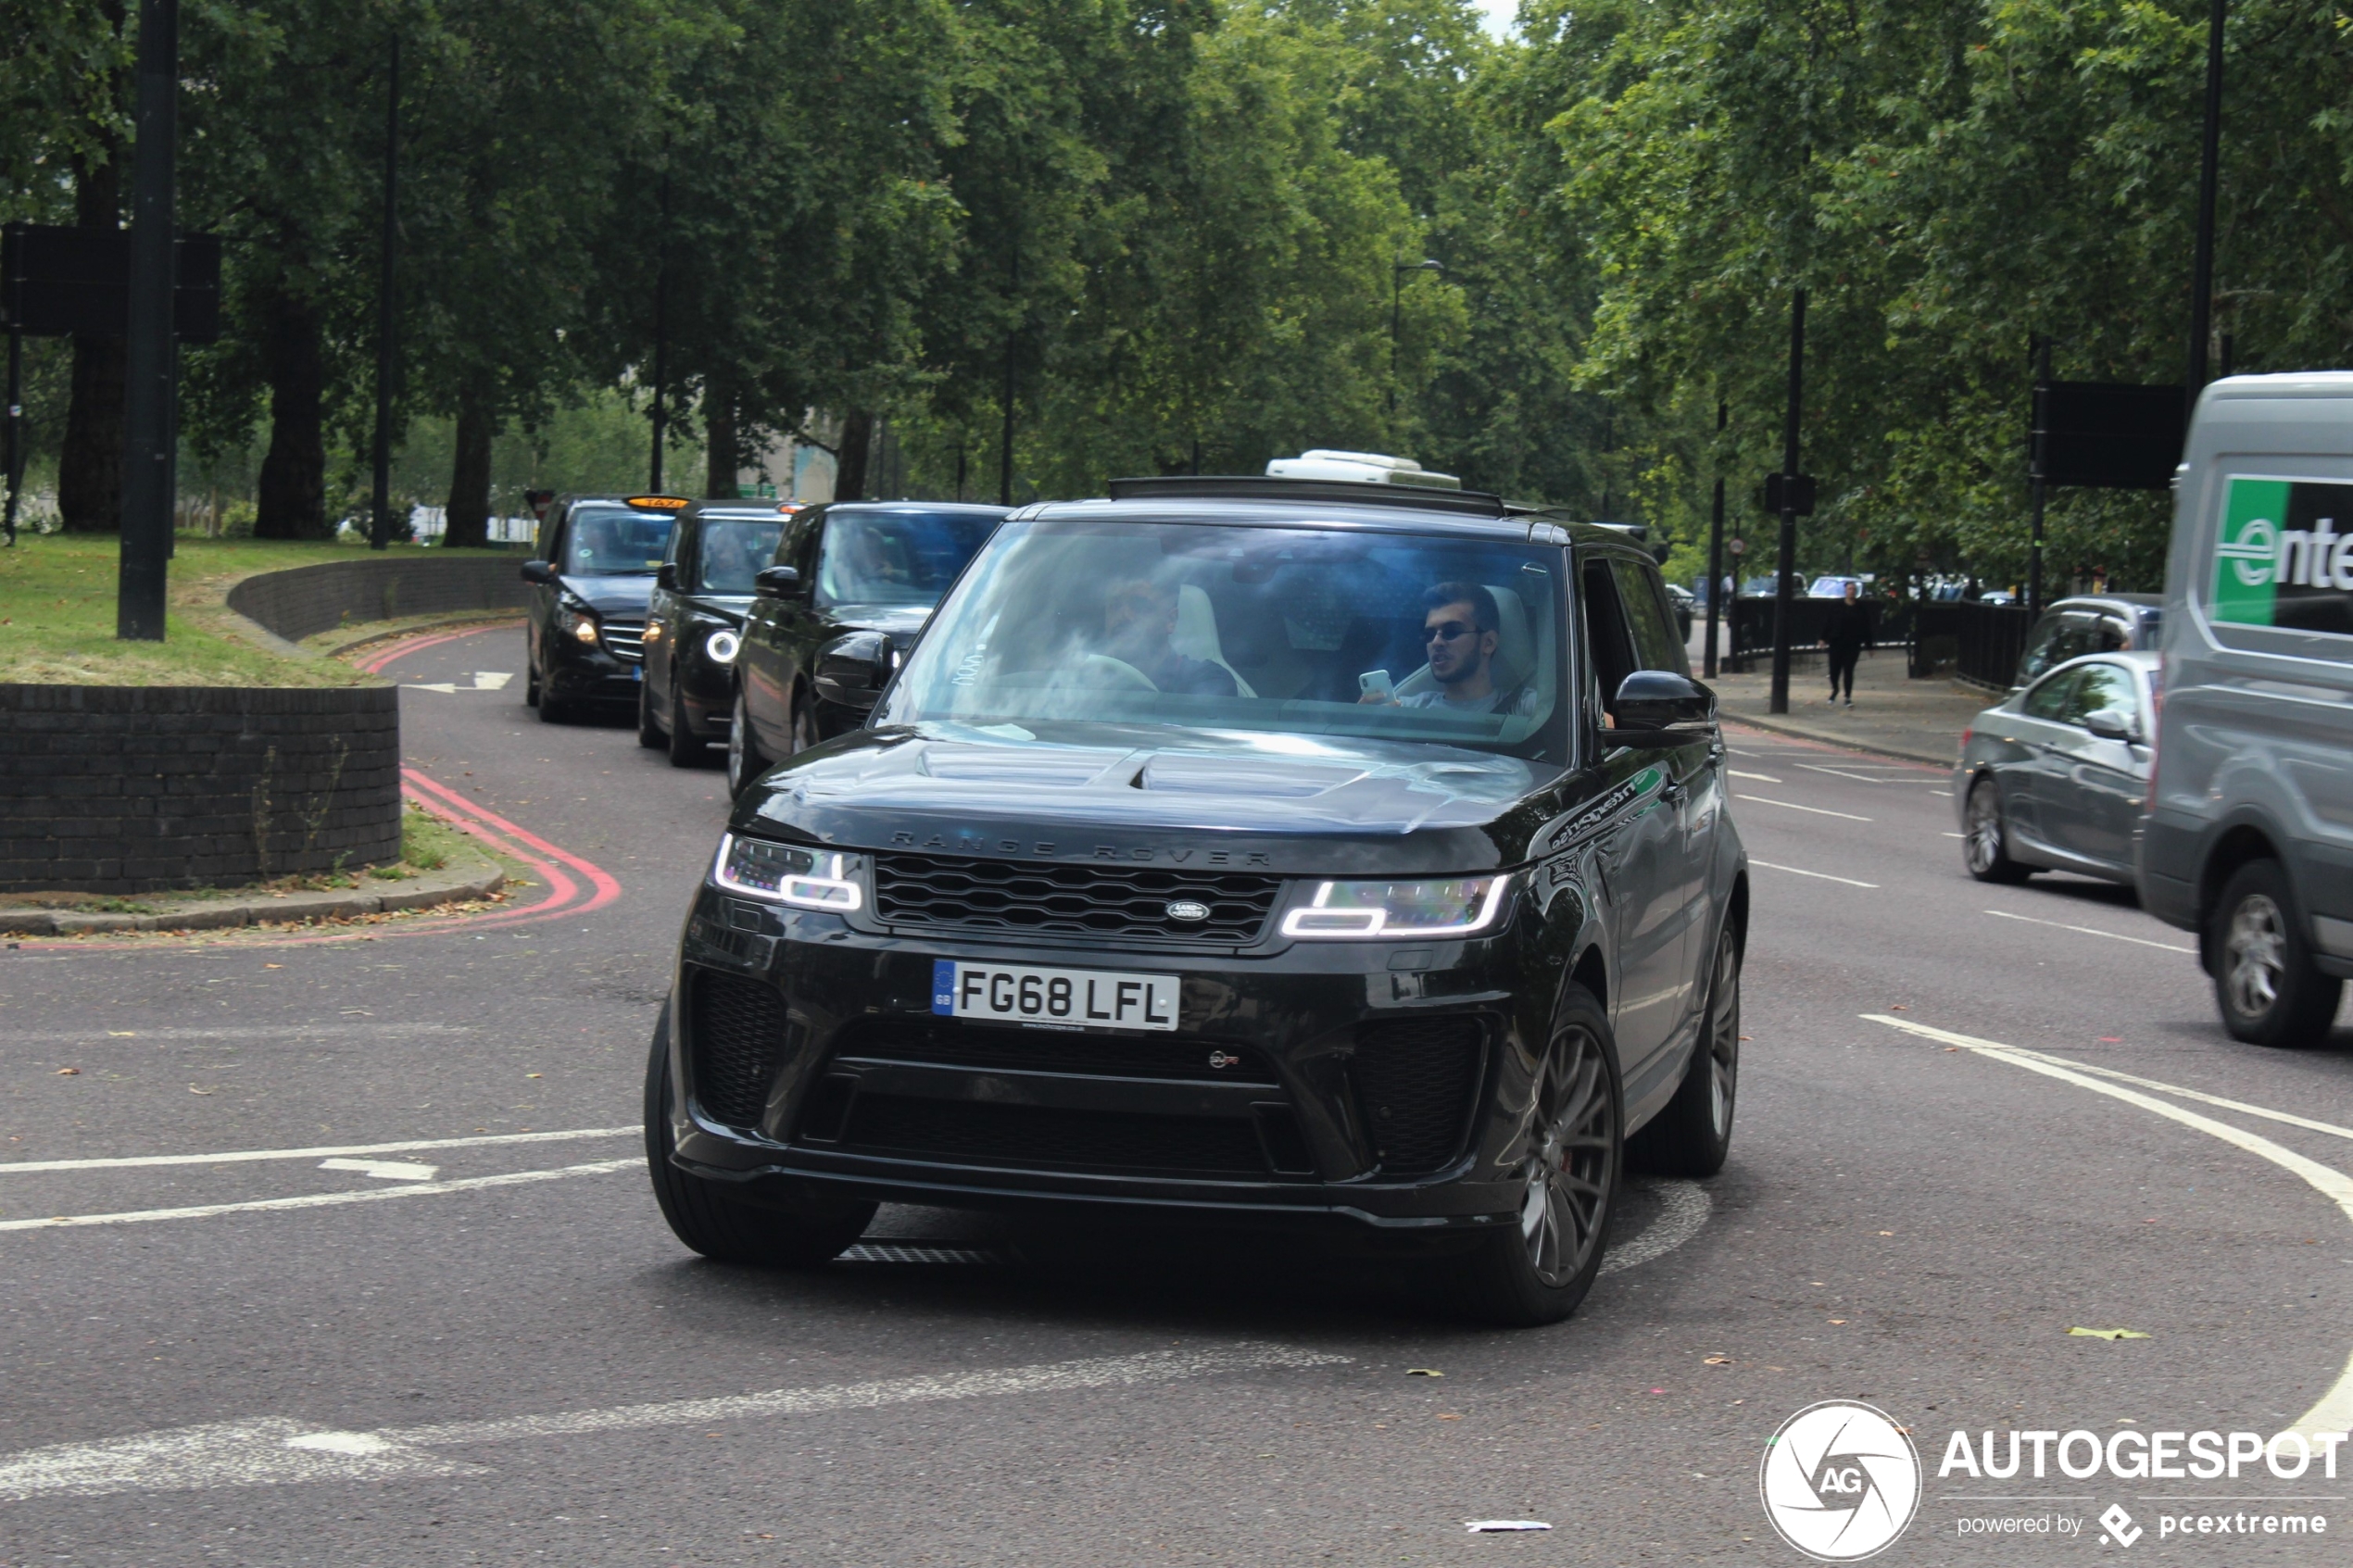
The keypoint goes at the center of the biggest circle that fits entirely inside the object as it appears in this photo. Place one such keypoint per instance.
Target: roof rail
(1329, 492)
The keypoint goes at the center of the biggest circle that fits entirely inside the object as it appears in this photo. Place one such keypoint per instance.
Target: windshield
(896, 558)
(732, 550)
(615, 541)
(1387, 636)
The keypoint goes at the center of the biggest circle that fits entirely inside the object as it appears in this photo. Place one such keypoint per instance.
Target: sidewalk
(1892, 715)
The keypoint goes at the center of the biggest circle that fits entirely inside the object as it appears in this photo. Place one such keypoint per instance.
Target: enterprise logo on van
(2285, 556)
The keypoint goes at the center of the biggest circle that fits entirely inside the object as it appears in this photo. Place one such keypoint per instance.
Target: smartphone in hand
(1373, 685)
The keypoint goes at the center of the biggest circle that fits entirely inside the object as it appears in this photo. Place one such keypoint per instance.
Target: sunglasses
(1447, 631)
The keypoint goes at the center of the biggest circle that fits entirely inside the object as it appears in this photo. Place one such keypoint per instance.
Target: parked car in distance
(1685, 604)
(694, 622)
(2085, 624)
(830, 619)
(1250, 853)
(2052, 778)
(590, 580)
(2249, 840)
(1834, 587)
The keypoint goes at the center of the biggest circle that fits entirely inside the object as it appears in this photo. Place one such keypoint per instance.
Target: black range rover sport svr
(1255, 852)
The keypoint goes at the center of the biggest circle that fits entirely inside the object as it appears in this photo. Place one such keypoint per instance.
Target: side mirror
(539, 573)
(852, 669)
(777, 582)
(2114, 723)
(666, 576)
(1660, 708)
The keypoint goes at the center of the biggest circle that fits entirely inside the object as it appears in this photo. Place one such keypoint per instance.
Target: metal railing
(1977, 642)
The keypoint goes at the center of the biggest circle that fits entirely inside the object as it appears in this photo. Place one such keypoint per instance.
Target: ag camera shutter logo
(1840, 1481)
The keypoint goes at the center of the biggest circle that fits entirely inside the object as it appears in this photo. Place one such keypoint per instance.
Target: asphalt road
(491, 1350)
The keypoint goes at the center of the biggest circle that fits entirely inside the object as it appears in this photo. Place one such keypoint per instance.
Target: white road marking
(337, 1029)
(1840, 772)
(1684, 1207)
(324, 1199)
(1800, 871)
(30, 1167)
(483, 681)
(1794, 806)
(2334, 1410)
(2089, 931)
(1760, 778)
(383, 1169)
(275, 1451)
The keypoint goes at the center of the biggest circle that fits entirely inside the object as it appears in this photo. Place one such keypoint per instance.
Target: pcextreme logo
(1840, 1481)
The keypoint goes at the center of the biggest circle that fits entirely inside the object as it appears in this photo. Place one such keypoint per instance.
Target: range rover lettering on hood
(1249, 785)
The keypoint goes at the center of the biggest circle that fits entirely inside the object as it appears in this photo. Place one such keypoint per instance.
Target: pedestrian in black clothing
(1847, 630)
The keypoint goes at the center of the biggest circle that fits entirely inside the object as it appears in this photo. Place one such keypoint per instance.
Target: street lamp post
(151, 383)
(1396, 308)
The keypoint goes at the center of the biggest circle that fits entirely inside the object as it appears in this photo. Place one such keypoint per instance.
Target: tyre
(649, 733)
(1537, 1270)
(553, 709)
(1985, 847)
(530, 683)
(723, 1228)
(804, 723)
(687, 748)
(1692, 1136)
(745, 763)
(2265, 981)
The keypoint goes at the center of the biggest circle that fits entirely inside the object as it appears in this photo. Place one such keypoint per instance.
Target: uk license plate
(1066, 999)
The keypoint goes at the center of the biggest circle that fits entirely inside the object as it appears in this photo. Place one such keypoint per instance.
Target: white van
(2248, 839)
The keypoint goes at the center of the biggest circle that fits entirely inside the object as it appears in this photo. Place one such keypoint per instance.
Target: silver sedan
(2054, 777)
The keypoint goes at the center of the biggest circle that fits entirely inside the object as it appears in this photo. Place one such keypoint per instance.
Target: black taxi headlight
(787, 874)
(578, 620)
(1460, 906)
(721, 646)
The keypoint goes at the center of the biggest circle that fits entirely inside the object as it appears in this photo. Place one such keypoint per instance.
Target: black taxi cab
(590, 579)
(852, 584)
(1256, 852)
(695, 619)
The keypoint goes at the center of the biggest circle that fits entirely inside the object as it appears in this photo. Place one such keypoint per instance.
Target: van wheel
(721, 1226)
(1985, 848)
(2265, 981)
(1537, 1270)
(745, 763)
(1692, 1136)
(649, 733)
(531, 685)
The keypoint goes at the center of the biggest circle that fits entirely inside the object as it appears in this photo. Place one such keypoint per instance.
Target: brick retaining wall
(305, 600)
(144, 789)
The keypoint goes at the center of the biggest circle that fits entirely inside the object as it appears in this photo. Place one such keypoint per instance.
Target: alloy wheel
(1984, 829)
(1724, 1036)
(2255, 955)
(736, 780)
(1569, 1168)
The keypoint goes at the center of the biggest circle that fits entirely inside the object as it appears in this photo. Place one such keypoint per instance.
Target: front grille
(736, 1041)
(1039, 1050)
(624, 639)
(1087, 900)
(1026, 1138)
(1415, 1080)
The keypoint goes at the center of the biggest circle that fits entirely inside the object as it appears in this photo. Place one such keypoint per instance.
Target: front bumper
(578, 672)
(1365, 1088)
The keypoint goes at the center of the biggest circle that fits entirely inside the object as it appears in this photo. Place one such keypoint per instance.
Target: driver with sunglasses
(1460, 633)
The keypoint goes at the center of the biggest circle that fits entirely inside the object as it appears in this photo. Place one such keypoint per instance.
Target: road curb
(293, 908)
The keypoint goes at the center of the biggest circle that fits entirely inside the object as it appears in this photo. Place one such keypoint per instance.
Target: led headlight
(577, 619)
(785, 874)
(720, 645)
(1444, 906)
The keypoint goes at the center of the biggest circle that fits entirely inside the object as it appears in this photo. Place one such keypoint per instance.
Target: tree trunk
(469, 510)
(857, 447)
(719, 458)
(90, 466)
(292, 501)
